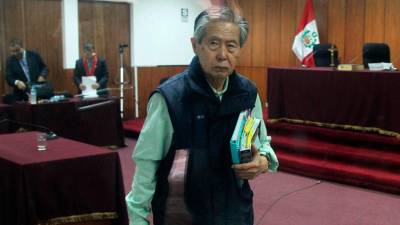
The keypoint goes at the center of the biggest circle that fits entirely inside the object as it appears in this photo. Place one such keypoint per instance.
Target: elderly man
(23, 68)
(194, 114)
(91, 65)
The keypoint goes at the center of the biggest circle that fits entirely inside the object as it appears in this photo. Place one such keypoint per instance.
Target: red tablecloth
(363, 100)
(69, 182)
(101, 125)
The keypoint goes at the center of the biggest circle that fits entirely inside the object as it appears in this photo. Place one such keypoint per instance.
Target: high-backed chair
(322, 55)
(375, 53)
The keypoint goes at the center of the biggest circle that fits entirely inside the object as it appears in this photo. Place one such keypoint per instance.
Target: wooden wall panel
(148, 80)
(69, 85)
(336, 25)
(346, 23)
(16, 26)
(38, 24)
(273, 27)
(106, 25)
(392, 31)
(374, 21)
(44, 35)
(258, 76)
(246, 54)
(258, 35)
(287, 32)
(321, 10)
(354, 31)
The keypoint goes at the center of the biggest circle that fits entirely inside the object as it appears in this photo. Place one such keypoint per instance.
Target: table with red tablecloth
(69, 182)
(357, 100)
(99, 125)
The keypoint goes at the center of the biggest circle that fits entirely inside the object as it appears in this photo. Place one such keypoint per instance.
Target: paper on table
(89, 92)
(380, 66)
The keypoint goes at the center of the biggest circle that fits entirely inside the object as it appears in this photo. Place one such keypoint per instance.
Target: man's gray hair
(223, 14)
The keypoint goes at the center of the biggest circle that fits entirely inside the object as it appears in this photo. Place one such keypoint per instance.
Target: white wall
(159, 36)
(70, 33)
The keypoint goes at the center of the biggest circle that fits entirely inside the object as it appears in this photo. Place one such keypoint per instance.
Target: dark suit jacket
(101, 74)
(15, 72)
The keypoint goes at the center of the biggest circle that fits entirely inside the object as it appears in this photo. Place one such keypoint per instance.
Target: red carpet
(360, 159)
(132, 127)
(287, 199)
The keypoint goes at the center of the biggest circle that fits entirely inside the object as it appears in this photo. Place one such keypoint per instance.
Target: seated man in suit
(23, 69)
(90, 65)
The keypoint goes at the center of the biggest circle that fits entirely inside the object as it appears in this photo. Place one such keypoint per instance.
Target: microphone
(122, 45)
(49, 134)
(96, 105)
(396, 60)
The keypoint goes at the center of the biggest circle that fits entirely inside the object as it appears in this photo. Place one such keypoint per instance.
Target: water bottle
(33, 95)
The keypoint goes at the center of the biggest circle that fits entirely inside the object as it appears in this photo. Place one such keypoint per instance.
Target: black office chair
(322, 55)
(375, 53)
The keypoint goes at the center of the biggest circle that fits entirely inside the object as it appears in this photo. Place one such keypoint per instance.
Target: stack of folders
(246, 130)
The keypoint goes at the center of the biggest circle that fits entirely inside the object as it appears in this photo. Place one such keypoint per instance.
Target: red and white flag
(306, 36)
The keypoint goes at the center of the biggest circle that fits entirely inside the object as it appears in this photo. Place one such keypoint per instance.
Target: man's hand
(250, 170)
(95, 86)
(20, 85)
(41, 79)
(82, 87)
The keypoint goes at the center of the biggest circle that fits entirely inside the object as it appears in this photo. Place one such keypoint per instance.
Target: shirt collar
(217, 93)
(23, 56)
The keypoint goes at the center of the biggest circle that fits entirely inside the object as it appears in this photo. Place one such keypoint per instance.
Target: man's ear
(194, 44)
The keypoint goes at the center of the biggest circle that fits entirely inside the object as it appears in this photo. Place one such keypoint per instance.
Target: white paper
(380, 66)
(89, 92)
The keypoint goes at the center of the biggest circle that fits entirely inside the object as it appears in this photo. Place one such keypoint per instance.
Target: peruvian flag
(306, 36)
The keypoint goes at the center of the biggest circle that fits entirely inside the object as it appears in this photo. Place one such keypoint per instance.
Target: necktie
(25, 68)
